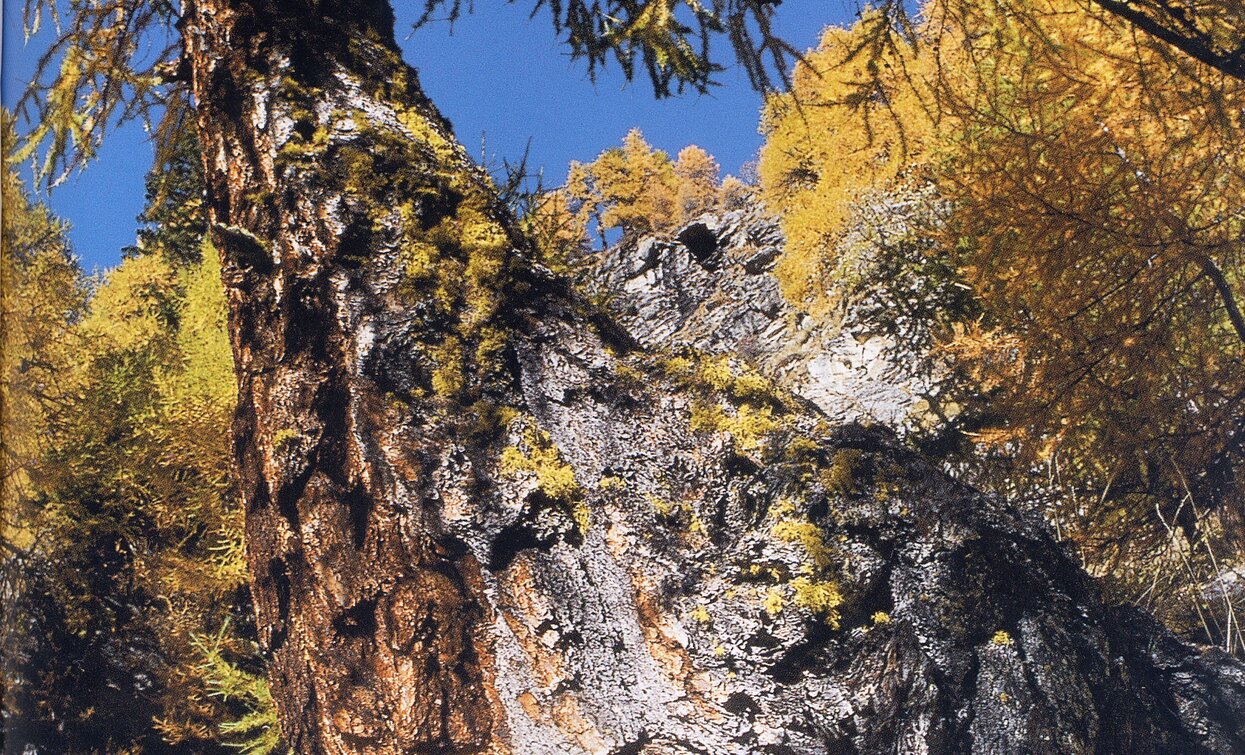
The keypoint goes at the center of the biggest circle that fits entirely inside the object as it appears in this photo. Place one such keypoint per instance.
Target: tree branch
(1198, 47)
(1212, 271)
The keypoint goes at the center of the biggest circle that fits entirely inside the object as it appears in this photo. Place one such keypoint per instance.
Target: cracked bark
(372, 625)
(480, 519)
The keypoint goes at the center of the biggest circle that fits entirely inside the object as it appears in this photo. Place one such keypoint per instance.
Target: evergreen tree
(174, 222)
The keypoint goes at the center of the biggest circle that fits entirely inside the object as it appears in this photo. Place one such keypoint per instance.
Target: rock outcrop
(710, 287)
(699, 608)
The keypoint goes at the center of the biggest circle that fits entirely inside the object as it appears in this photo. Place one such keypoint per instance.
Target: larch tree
(854, 122)
(639, 190)
(480, 520)
(698, 181)
(127, 615)
(373, 279)
(1082, 180)
(632, 188)
(1100, 208)
(41, 297)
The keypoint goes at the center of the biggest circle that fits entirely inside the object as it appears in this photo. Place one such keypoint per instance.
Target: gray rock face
(964, 626)
(686, 616)
(710, 287)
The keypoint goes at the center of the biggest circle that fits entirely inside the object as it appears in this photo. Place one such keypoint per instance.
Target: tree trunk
(326, 171)
(480, 519)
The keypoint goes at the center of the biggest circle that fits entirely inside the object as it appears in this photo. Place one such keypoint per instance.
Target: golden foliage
(41, 294)
(852, 124)
(697, 179)
(126, 495)
(1096, 188)
(640, 190)
(1093, 187)
(1094, 194)
(632, 187)
(558, 232)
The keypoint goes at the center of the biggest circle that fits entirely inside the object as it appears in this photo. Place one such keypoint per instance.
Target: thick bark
(372, 620)
(480, 520)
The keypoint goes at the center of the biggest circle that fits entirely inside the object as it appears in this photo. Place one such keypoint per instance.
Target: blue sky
(497, 76)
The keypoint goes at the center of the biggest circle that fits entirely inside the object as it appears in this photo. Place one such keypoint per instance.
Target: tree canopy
(1083, 180)
(122, 531)
(639, 190)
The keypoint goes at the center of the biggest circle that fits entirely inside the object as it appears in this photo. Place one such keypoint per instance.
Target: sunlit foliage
(1095, 203)
(632, 187)
(123, 534)
(132, 507)
(43, 295)
(856, 121)
(1100, 210)
(558, 232)
(638, 189)
(697, 182)
(41, 298)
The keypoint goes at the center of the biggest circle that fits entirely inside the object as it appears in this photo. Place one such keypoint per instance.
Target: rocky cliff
(710, 287)
(803, 588)
(820, 591)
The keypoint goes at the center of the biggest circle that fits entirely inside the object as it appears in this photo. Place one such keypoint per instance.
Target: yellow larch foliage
(632, 187)
(1097, 193)
(639, 190)
(558, 229)
(137, 461)
(41, 295)
(135, 305)
(697, 175)
(176, 463)
(851, 124)
(1089, 183)
(1095, 183)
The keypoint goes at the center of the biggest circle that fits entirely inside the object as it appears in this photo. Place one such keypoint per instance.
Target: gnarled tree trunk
(326, 168)
(481, 520)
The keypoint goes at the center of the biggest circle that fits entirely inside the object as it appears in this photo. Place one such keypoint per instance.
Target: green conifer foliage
(174, 221)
